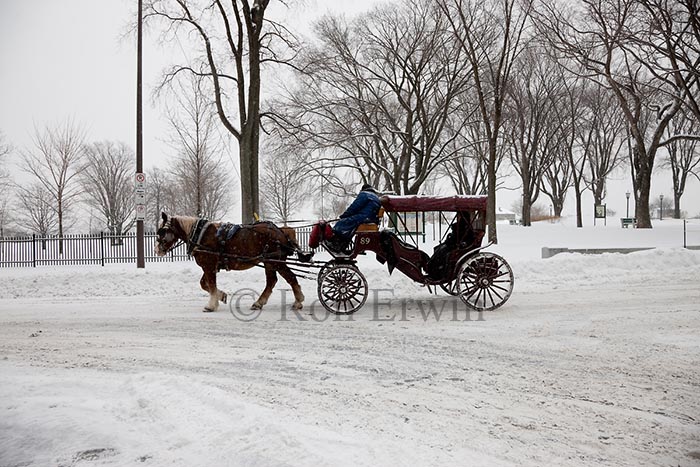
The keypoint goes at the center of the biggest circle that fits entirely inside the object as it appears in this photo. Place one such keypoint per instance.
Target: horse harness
(224, 233)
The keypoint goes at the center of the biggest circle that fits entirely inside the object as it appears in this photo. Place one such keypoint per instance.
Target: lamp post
(661, 207)
(628, 204)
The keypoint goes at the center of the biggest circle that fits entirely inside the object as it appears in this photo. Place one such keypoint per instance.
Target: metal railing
(79, 249)
(95, 249)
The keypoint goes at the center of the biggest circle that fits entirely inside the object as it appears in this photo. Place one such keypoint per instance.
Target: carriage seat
(367, 228)
(371, 226)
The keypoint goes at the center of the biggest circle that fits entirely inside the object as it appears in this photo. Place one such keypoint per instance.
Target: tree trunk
(60, 226)
(558, 208)
(250, 132)
(579, 211)
(676, 205)
(641, 181)
(598, 191)
(248, 157)
(641, 199)
(491, 190)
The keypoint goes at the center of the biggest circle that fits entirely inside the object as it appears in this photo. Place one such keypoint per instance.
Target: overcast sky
(67, 58)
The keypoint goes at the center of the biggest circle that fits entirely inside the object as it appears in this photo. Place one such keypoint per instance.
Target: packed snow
(593, 361)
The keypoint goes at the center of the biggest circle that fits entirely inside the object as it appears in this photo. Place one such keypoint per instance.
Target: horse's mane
(186, 222)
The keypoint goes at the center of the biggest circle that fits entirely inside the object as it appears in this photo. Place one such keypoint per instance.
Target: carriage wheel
(485, 282)
(342, 289)
(450, 288)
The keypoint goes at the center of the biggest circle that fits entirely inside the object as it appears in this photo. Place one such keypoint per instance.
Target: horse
(251, 244)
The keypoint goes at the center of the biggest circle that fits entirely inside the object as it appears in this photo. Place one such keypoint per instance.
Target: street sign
(140, 181)
(140, 212)
(600, 211)
(140, 197)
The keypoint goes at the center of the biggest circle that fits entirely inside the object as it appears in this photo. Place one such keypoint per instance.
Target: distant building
(503, 215)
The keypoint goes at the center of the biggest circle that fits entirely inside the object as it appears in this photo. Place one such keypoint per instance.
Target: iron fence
(80, 249)
(96, 249)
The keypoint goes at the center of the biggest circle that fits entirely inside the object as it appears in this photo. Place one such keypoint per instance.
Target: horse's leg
(208, 283)
(291, 278)
(270, 281)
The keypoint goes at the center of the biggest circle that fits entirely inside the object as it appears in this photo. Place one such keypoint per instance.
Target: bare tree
(158, 196)
(490, 33)
(669, 41)
(198, 170)
(558, 177)
(532, 125)
(284, 182)
(379, 92)
(5, 185)
(605, 126)
(683, 157)
(568, 113)
(467, 171)
(55, 161)
(108, 184)
(613, 43)
(235, 40)
(5, 149)
(37, 210)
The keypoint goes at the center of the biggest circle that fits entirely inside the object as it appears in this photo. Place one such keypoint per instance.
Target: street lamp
(661, 207)
(628, 204)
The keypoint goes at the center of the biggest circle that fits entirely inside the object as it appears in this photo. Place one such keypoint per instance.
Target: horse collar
(196, 234)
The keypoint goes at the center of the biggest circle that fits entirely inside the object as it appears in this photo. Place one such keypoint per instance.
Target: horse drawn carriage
(458, 265)
(482, 280)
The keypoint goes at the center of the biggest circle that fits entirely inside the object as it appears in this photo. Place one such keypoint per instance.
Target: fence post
(685, 238)
(102, 247)
(34, 250)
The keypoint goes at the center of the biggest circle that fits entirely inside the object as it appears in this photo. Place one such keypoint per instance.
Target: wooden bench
(627, 221)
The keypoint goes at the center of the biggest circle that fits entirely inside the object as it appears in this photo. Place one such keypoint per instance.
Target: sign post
(600, 212)
(140, 259)
(140, 197)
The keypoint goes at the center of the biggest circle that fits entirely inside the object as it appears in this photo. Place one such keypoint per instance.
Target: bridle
(160, 238)
(192, 241)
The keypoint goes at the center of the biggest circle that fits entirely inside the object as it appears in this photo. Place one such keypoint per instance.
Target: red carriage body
(482, 280)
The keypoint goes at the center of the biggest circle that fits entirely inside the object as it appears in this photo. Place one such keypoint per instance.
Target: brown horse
(252, 244)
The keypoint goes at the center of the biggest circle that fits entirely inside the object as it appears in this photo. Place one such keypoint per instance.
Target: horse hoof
(298, 306)
(256, 306)
(208, 310)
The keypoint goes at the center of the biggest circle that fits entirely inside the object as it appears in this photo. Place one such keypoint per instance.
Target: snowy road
(567, 373)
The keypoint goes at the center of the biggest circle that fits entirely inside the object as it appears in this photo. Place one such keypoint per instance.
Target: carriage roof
(415, 203)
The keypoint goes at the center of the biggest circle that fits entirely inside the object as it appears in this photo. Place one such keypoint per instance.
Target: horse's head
(165, 236)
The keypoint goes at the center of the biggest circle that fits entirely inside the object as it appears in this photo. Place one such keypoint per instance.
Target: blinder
(165, 236)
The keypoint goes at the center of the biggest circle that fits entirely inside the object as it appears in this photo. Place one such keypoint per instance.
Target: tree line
(416, 92)
(66, 178)
(416, 95)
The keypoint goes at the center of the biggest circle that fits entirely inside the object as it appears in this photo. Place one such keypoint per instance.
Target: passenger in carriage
(461, 236)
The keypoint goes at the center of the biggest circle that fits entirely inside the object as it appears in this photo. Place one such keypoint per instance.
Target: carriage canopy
(415, 203)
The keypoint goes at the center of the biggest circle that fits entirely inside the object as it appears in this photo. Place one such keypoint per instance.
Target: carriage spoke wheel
(342, 289)
(485, 282)
(450, 288)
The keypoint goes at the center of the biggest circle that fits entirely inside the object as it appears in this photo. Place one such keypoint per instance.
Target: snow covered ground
(594, 360)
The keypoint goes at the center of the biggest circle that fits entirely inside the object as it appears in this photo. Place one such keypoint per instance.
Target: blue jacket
(363, 210)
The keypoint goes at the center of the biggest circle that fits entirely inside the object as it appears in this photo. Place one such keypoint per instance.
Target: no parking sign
(140, 196)
(140, 181)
